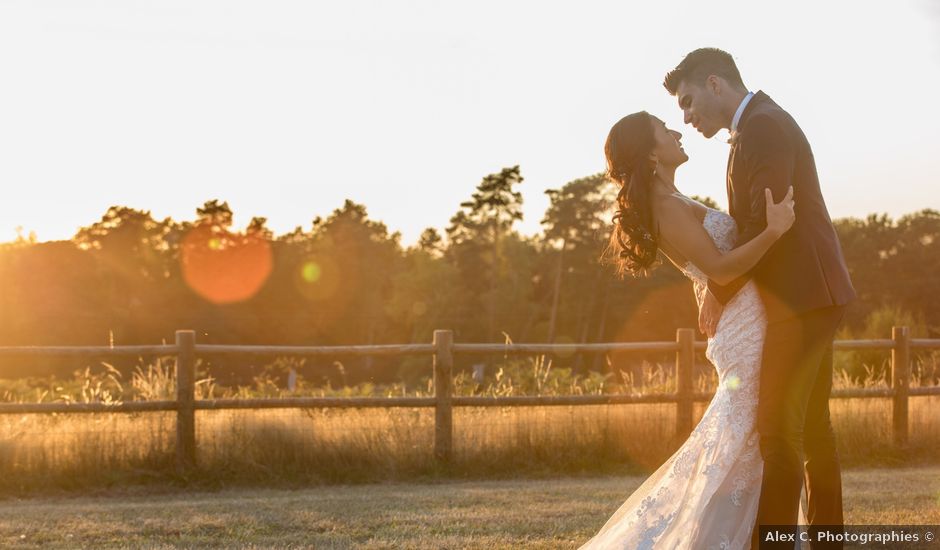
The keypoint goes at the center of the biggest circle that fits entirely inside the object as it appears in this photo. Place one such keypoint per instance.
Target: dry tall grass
(41, 452)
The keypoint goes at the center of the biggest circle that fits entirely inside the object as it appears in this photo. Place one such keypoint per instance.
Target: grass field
(51, 453)
(547, 513)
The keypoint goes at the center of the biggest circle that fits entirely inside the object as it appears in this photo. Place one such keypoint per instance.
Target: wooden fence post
(443, 411)
(685, 359)
(900, 381)
(185, 401)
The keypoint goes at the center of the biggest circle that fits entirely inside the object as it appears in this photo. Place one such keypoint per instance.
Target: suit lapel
(735, 182)
(759, 97)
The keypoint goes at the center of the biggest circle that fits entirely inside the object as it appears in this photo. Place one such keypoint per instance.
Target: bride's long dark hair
(633, 245)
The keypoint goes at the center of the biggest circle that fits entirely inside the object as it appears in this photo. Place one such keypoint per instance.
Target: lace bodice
(723, 231)
(706, 494)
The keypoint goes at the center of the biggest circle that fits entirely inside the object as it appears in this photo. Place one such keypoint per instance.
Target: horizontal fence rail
(96, 351)
(443, 350)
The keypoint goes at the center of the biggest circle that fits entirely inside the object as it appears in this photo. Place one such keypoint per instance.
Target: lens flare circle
(311, 271)
(318, 278)
(224, 267)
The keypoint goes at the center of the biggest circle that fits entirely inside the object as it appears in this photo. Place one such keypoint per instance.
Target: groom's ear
(713, 84)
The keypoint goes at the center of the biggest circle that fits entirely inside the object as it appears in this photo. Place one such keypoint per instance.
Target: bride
(706, 494)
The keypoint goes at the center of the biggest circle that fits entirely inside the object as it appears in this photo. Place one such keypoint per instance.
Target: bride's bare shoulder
(677, 216)
(674, 208)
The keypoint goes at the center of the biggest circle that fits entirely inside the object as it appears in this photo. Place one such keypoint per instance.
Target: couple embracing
(771, 285)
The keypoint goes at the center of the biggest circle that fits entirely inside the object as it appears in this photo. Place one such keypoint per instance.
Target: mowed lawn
(531, 513)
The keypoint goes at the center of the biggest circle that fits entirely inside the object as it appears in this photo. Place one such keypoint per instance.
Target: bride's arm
(683, 231)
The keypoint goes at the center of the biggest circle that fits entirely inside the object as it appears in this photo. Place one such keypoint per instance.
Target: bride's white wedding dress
(705, 496)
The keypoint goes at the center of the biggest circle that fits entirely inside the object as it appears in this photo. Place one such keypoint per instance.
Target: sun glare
(223, 267)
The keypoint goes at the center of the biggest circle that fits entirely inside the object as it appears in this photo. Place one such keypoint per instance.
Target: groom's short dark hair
(701, 63)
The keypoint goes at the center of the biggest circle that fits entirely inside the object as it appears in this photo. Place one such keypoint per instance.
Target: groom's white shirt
(737, 114)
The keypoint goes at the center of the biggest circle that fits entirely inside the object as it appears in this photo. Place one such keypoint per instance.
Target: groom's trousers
(793, 419)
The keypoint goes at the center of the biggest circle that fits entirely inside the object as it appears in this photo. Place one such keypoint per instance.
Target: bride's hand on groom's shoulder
(780, 216)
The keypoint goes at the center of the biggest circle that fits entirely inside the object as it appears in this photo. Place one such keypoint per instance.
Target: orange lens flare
(223, 267)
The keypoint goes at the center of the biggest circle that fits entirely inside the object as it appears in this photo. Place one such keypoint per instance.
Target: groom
(802, 280)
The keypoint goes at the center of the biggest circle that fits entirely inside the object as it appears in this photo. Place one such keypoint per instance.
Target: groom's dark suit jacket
(804, 270)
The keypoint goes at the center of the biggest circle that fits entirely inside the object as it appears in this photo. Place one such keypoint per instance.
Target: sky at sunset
(284, 109)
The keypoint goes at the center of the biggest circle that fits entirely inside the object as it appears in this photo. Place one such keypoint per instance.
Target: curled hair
(633, 247)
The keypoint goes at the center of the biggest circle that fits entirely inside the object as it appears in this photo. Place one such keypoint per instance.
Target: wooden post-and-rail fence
(443, 349)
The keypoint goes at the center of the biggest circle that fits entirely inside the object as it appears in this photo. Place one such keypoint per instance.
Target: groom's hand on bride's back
(709, 314)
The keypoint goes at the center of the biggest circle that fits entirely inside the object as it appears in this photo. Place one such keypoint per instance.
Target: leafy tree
(575, 225)
(476, 247)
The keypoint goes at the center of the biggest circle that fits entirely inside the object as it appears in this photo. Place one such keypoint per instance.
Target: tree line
(131, 279)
